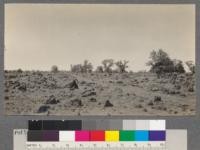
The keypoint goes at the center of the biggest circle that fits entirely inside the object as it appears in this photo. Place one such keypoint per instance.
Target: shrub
(122, 65)
(85, 68)
(191, 66)
(54, 69)
(178, 66)
(76, 68)
(99, 69)
(107, 65)
(161, 63)
(19, 70)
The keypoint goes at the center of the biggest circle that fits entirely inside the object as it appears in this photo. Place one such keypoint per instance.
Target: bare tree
(76, 68)
(87, 66)
(122, 65)
(107, 65)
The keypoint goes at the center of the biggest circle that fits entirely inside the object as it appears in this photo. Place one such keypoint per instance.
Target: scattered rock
(76, 102)
(52, 100)
(22, 87)
(184, 107)
(175, 112)
(6, 90)
(88, 93)
(142, 100)
(108, 104)
(150, 103)
(183, 94)
(154, 89)
(93, 99)
(165, 108)
(83, 82)
(120, 82)
(43, 108)
(157, 99)
(145, 110)
(172, 92)
(178, 87)
(73, 85)
(190, 89)
(138, 106)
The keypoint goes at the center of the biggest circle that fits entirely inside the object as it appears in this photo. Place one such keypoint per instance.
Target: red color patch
(98, 135)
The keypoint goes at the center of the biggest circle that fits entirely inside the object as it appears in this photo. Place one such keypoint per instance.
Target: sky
(38, 36)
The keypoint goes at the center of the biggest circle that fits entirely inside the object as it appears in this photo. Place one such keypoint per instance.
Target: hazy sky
(38, 36)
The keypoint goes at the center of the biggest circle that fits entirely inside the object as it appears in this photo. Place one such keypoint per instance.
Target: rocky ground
(142, 93)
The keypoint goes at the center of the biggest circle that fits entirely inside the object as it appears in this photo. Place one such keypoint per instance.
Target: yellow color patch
(111, 135)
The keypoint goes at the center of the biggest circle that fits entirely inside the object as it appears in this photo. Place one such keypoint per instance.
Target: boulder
(108, 104)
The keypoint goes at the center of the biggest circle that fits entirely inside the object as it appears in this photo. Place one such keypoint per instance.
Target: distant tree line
(159, 63)
(107, 66)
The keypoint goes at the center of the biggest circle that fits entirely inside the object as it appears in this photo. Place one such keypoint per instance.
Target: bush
(76, 68)
(85, 68)
(122, 65)
(191, 66)
(19, 70)
(107, 65)
(178, 66)
(54, 69)
(99, 69)
(161, 63)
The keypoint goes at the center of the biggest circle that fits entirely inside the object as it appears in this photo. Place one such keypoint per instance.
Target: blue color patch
(141, 135)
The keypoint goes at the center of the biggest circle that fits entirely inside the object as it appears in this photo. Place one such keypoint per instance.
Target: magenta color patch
(82, 135)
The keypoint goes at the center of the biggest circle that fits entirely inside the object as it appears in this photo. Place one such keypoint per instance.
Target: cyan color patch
(141, 135)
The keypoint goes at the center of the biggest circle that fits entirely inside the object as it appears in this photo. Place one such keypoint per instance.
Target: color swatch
(96, 135)
(99, 124)
(97, 130)
(82, 135)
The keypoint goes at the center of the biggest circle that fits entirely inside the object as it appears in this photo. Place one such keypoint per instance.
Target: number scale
(95, 146)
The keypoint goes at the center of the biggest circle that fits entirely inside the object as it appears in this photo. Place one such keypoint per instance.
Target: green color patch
(125, 135)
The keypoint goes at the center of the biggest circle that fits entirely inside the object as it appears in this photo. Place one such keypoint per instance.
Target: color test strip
(129, 125)
(141, 135)
(171, 143)
(82, 135)
(100, 124)
(112, 136)
(35, 125)
(157, 125)
(142, 125)
(35, 135)
(67, 136)
(126, 135)
(50, 135)
(98, 135)
(157, 135)
(55, 125)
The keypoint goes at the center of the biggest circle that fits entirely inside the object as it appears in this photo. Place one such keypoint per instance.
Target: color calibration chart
(93, 134)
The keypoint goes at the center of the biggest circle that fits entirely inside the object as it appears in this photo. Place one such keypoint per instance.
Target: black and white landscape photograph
(100, 59)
